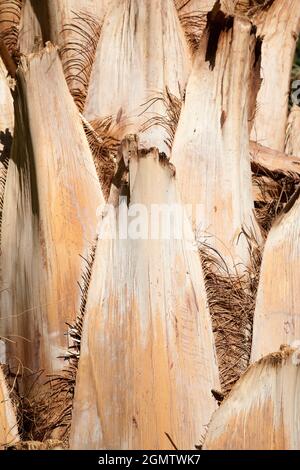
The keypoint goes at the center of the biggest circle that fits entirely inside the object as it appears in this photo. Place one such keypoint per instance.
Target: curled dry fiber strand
(169, 120)
(10, 14)
(262, 410)
(79, 53)
(104, 146)
(250, 7)
(231, 299)
(273, 190)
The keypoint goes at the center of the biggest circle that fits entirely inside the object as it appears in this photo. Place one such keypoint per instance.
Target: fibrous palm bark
(140, 44)
(262, 410)
(193, 17)
(8, 423)
(292, 145)
(73, 25)
(147, 361)
(49, 216)
(143, 336)
(279, 26)
(49, 20)
(277, 317)
(6, 129)
(274, 161)
(211, 146)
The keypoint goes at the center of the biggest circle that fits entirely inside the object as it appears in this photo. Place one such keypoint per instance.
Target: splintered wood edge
(273, 160)
(236, 399)
(274, 359)
(26, 59)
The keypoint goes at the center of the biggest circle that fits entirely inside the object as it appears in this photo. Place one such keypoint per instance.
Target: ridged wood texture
(292, 145)
(8, 422)
(147, 362)
(49, 216)
(262, 411)
(279, 26)
(141, 51)
(277, 316)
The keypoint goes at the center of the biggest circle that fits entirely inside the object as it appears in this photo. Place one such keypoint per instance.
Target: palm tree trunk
(140, 43)
(8, 423)
(160, 322)
(49, 216)
(259, 413)
(147, 328)
(211, 147)
(279, 26)
(276, 317)
(292, 145)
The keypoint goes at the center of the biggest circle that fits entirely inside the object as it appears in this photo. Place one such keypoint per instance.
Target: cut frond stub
(277, 317)
(211, 145)
(8, 422)
(262, 411)
(147, 338)
(52, 194)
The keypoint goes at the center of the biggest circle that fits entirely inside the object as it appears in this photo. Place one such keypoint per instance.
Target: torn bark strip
(6, 131)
